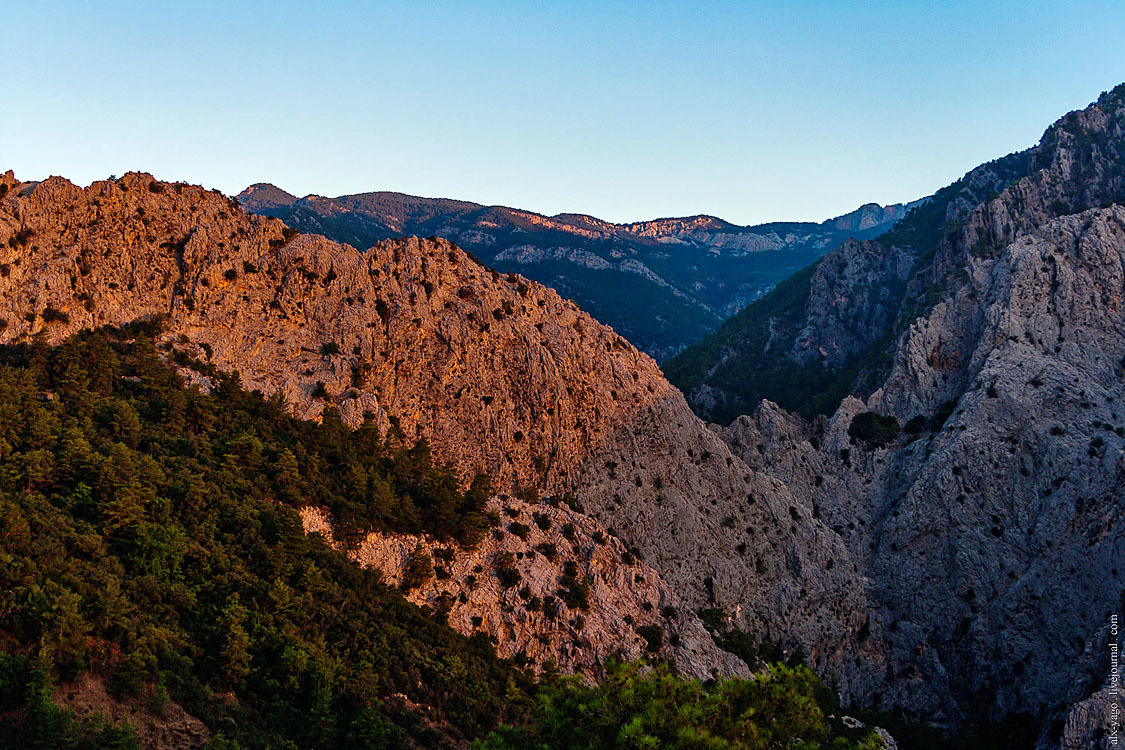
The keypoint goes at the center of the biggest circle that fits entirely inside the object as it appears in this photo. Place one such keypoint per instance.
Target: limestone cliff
(991, 528)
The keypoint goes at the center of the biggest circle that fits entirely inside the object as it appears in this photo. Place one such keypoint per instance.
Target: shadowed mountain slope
(977, 467)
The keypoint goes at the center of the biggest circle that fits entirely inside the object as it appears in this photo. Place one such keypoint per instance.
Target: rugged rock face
(992, 537)
(961, 568)
(992, 528)
(872, 216)
(662, 284)
(541, 614)
(824, 330)
(829, 331)
(498, 372)
(853, 299)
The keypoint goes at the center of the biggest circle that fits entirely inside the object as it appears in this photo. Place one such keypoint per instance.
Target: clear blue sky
(750, 111)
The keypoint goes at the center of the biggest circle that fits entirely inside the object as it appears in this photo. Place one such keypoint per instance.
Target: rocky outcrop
(822, 332)
(991, 528)
(549, 586)
(853, 299)
(263, 197)
(873, 216)
(155, 723)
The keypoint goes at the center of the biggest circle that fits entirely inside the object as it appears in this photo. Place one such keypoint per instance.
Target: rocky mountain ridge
(681, 276)
(983, 499)
(498, 372)
(942, 541)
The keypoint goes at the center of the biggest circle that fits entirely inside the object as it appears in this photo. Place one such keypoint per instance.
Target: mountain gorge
(662, 284)
(904, 465)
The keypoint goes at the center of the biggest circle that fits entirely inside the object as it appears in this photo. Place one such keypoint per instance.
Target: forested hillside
(149, 542)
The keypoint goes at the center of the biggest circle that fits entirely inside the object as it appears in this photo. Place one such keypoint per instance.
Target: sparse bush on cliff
(53, 315)
(575, 591)
(419, 568)
(505, 565)
(874, 428)
(653, 636)
(21, 238)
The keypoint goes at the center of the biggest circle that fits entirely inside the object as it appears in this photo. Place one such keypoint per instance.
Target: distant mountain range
(663, 284)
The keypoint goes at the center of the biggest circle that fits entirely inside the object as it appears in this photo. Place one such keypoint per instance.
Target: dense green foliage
(781, 707)
(148, 538)
(142, 539)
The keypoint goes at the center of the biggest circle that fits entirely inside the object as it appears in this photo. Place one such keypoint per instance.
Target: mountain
(939, 538)
(971, 364)
(158, 591)
(661, 284)
(499, 374)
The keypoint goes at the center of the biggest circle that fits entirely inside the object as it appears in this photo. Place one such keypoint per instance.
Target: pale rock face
(1087, 725)
(991, 538)
(1012, 513)
(1086, 718)
(852, 300)
(993, 545)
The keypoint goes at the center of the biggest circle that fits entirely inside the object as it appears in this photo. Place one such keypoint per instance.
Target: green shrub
(638, 707)
(505, 565)
(874, 428)
(419, 568)
(915, 425)
(653, 636)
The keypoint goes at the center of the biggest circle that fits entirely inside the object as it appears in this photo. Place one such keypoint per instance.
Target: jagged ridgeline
(153, 566)
(979, 474)
(763, 351)
(830, 329)
(662, 284)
